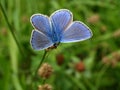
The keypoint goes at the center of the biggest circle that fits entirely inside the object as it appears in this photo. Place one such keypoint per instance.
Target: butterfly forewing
(61, 19)
(40, 41)
(41, 23)
(77, 31)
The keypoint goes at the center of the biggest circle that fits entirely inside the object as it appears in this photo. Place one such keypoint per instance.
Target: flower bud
(45, 70)
(116, 34)
(80, 67)
(45, 87)
(60, 59)
(94, 19)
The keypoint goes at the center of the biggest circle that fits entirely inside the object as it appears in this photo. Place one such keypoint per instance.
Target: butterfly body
(58, 28)
(55, 36)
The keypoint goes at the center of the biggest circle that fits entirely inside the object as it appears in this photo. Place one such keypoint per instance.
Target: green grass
(100, 55)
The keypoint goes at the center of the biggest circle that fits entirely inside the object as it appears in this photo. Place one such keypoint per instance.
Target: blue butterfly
(58, 28)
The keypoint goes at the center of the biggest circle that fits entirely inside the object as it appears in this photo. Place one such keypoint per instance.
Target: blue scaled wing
(41, 22)
(77, 31)
(40, 41)
(60, 19)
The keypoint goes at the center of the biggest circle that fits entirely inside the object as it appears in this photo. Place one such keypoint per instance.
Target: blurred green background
(93, 64)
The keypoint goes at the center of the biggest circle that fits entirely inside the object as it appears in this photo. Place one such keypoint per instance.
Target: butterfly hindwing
(40, 41)
(77, 31)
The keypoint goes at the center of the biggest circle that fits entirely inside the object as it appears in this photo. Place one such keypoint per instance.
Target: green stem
(45, 53)
(99, 77)
(14, 63)
(11, 29)
(76, 82)
(35, 77)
